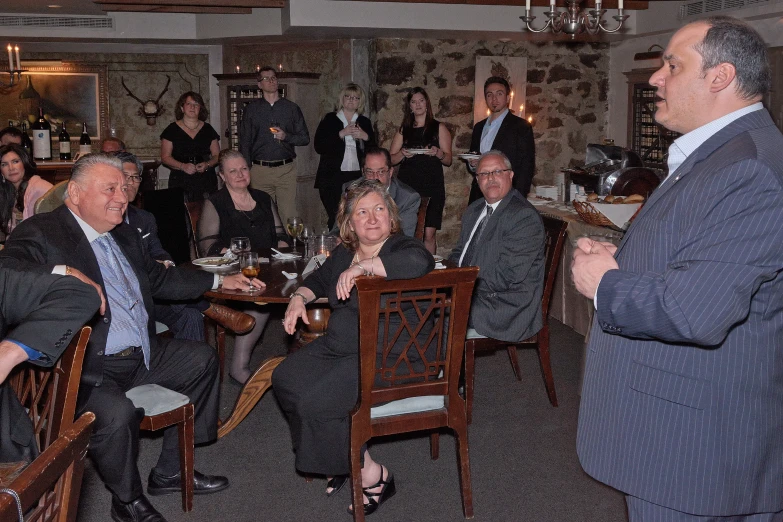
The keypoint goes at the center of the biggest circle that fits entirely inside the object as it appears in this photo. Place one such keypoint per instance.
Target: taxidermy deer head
(149, 109)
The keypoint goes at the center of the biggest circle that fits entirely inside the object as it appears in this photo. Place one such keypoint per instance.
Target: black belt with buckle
(276, 163)
(126, 352)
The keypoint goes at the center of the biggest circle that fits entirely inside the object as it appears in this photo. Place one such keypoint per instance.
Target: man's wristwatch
(68, 270)
(294, 294)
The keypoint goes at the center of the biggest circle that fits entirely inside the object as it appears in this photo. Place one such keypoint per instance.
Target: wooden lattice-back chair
(49, 487)
(49, 394)
(426, 397)
(420, 218)
(555, 238)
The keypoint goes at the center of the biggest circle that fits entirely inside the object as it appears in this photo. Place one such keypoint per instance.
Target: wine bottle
(85, 144)
(42, 138)
(65, 144)
(26, 143)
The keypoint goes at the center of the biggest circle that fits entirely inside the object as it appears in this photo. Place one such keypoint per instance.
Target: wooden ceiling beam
(200, 3)
(148, 8)
(634, 5)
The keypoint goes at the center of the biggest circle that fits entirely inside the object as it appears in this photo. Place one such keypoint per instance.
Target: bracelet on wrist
(294, 294)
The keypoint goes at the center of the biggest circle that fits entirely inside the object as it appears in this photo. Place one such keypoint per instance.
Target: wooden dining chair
(48, 489)
(49, 394)
(555, 237)
(414, 387)
(420, 217)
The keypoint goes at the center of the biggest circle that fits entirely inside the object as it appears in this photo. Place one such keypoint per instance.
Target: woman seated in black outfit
(341, 139)
(317, 386)
(239, 211)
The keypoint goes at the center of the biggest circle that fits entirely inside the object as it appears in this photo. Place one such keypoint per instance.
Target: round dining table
(278, 289)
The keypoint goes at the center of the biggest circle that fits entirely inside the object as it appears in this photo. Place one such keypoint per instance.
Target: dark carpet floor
(522, 454)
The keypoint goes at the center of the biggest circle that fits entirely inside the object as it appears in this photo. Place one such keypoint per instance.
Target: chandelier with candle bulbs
(573, 20)
(14, 71)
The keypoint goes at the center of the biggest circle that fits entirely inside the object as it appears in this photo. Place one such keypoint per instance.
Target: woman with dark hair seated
(20, 187)
(317, 386)
(239, 211)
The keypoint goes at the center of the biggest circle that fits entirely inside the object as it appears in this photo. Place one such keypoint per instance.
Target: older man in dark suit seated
(503, 235)
(378, 165)
(88, 238)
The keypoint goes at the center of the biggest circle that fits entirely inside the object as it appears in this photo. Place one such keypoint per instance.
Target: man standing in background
(270, 129)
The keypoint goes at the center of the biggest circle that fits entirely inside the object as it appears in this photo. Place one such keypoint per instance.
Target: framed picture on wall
(513, 69)
(72, 93)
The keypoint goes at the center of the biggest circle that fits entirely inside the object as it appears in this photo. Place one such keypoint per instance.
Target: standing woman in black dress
(341, 139)
(190, 148)
(423, 169)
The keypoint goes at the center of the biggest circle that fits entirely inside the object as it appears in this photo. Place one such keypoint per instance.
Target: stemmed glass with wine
(294, 227)
(250, 267)
(274, 127)
(240, 245)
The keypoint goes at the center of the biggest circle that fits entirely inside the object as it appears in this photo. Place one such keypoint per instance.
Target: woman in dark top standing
(317, 386)
(190, 148)
(341, 139)
(423, 170)
(237, 211)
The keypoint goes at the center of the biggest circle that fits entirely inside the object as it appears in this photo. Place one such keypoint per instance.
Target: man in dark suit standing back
(503, 235)
(681, 405)
(88, 238)
(503, 131)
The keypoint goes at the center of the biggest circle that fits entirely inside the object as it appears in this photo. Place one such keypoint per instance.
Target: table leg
(251, 393)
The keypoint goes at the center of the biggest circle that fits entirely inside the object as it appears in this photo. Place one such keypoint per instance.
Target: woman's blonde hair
(356, 191)
(354, 89)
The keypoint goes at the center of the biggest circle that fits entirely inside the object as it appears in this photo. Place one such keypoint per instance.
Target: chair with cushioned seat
(164, 408)
(424, 396)
(555, 237)
(53, 198)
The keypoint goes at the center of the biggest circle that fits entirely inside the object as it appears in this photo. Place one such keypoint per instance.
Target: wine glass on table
(294, 227)
(250, 267)
(240, 245)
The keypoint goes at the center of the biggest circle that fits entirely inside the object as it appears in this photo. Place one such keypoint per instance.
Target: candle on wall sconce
(511, 101)
(488, 111)
(10, 58)
(530, 120)
(18, 62)
(280, 67)
(522, 110)
(237, 68)
(258, 68)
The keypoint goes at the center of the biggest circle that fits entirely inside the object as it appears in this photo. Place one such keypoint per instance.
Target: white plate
(209, 264)
(418, 151)
(469, 156)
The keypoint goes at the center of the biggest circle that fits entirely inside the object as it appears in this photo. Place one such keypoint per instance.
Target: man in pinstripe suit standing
(682, 405)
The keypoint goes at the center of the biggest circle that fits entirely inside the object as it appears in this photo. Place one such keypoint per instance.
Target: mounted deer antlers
(149, 109)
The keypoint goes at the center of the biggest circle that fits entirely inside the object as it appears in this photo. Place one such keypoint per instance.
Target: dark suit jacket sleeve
(409, 211)
(740, 241)
(148, 228)
(327, 139)
(48, 310)
(521, 242)
(407, 259)
(26, 249)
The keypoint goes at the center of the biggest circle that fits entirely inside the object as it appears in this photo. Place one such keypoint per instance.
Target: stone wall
(566, 95)
(145, 75)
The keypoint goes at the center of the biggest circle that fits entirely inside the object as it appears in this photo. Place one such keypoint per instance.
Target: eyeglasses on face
(494, 173)
(379, 172)
(270, 79)
(133, 179)
(350, 97)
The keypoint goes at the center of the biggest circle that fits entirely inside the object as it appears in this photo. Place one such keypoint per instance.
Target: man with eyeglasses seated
(271, 127)
(502, 234)
(183, 319)
(378, 165)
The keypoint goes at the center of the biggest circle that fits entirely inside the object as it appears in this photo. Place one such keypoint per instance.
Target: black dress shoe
(140, 510)
(202, 484)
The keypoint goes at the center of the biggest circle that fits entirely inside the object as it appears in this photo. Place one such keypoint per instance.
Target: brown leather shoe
(234, 320)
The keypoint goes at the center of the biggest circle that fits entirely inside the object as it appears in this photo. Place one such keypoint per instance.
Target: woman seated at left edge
(317, 386)
(239, 211)
(20, 187)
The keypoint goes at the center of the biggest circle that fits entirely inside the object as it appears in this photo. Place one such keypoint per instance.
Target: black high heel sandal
(336, 483)
(387, 491)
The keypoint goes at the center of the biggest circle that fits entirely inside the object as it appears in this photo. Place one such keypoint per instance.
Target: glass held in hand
(239, 245)
(294, 227)
(250, 267)
(274, 127)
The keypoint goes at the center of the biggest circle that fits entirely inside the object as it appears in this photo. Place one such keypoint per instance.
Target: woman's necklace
(356, 255)
(189, 127)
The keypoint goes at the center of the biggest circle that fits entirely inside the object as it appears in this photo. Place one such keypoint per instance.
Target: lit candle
(620, 4)
(280, 67)
(237, 68)
(488, 111)
(530, 120)
(258, 68)
(511, 100)
(551, 5)
(10, 58)
(527, 5)
(18, 62)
